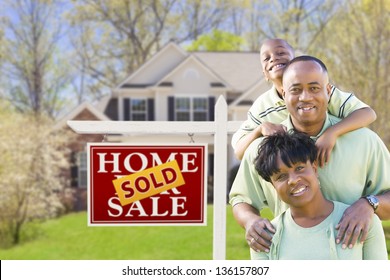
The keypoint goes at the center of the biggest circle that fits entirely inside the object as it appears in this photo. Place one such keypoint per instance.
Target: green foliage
(217, 41)
(355, 47)
(33, 158)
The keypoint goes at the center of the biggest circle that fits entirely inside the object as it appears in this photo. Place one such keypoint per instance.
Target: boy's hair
(291, 147)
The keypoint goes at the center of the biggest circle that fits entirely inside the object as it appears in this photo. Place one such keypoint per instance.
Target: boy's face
(296, 185)
(306, 93)
(275, 54)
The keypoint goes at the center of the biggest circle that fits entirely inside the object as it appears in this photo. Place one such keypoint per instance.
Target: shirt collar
(329, 121)
(276, 100)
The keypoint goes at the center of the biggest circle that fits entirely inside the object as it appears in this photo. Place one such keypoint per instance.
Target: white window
(191, 109)
(82, 170)
(138, 109)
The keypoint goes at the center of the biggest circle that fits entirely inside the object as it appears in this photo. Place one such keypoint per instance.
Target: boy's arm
(357, 119)
(263, 129)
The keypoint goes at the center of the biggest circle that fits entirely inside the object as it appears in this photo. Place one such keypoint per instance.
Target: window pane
(200, 104)
(182, 104)
(200, 116)
(183, 116)
(139, 117)
(82, 167)
(83, 179)
(138, 104)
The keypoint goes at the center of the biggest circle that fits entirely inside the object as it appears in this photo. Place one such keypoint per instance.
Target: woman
(306, 231)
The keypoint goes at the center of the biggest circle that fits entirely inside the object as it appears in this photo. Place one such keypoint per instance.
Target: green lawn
(69, 238)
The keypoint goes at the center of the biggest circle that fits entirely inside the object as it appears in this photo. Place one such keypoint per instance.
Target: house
(174, 85)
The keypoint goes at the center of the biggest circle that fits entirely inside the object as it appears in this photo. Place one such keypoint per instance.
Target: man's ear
(283, 93)
(329, 89)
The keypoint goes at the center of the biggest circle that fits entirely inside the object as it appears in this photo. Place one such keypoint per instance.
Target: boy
(269, 109)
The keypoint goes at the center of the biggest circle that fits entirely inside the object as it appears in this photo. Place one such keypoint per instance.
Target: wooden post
(220, 128)
(220, 180)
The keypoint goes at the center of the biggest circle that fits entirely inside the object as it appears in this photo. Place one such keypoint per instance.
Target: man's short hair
(308, 58)
(292, 147)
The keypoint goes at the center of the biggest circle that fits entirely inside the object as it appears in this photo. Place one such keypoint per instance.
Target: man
(357, 173)
(269, 109)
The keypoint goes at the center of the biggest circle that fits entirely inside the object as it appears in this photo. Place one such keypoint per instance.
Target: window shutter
(74, 171)
(150, 109)
(126, 108)
(171, 108)
(211, 108)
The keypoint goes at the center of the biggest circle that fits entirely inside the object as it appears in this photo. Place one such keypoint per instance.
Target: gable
(249, 96)
(239, 69)
(192, 76)
(84, 111)
(156, 68)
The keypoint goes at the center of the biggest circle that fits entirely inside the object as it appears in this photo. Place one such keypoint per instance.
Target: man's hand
(258, 234)
(257, 229)
(355, 221)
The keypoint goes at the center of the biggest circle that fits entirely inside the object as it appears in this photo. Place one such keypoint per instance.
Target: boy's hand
(268, 128)
(325, 144)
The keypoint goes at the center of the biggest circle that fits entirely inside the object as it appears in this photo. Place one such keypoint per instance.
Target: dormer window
(191, 109)
(135, 109)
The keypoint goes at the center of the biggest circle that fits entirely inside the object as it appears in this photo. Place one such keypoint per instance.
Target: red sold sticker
(147, 185)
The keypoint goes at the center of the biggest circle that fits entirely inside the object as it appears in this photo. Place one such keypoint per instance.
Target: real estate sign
(147, 184)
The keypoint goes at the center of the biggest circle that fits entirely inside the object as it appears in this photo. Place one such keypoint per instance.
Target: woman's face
(298, 184)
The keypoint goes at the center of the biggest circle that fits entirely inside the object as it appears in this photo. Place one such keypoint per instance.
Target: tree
(217, 41)
(33, 158)
(114, 38)
(32, 62)
(355, 46)
(299, 21)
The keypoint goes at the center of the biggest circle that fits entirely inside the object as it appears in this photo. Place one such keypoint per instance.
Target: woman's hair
(291, 147)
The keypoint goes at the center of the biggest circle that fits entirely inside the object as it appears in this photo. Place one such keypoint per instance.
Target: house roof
(79, 109)
(240, 69)
(194, 59)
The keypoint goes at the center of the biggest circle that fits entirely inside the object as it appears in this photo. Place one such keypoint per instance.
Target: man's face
(275, 54)
(306, 93)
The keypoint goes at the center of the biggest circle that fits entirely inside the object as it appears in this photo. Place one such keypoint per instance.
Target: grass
(69, 238)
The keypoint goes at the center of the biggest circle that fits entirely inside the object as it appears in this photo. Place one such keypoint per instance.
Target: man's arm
(357, 218)
(255, 227)
(383, 210)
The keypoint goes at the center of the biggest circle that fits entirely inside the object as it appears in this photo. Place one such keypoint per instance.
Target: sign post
(220, 128)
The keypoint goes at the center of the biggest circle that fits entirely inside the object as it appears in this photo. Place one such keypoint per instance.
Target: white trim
(72, 114)
(248, 92)
(193, 58)
(151, 60)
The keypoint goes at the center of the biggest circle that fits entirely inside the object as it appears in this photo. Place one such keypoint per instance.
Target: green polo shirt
(293, 242)
(269, 107)
(359, 165)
